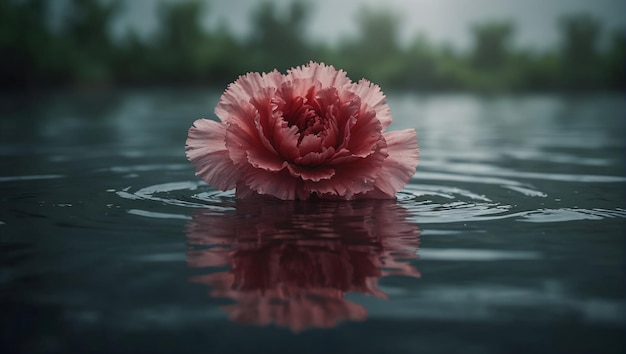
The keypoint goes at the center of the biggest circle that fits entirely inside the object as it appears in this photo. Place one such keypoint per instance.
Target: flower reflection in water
(291, 263)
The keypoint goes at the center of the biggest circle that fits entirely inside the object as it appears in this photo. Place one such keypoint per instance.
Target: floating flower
(292, 264)
(311, 132)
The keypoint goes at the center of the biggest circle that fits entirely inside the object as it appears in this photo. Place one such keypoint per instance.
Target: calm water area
(510, 238)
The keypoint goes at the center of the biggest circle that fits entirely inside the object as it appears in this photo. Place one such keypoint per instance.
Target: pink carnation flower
(309, 132)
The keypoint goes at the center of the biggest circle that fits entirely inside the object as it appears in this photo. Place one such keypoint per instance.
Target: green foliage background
(83, 53)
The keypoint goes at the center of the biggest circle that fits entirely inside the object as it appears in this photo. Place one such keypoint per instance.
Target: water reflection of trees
(82, 51)
(292, 264)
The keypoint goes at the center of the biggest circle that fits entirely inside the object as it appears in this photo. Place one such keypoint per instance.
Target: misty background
(482, 45)
(441, 21)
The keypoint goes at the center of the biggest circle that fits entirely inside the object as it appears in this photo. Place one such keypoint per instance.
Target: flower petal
(286, 140)
(399, 166)
(310, 143)
(347, 114)
(352, 178)
(280, 184)
(261, 158)
(362, 137)
(206, 149)
(311, 174)
(244, 192)
(316, 158)
(371, 95)
(234, 103)
(326, 75)
(237, 95)
(263, 122)
(239, 141)
(300, 87)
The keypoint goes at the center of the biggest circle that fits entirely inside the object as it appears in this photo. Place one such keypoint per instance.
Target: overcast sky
(439, 20)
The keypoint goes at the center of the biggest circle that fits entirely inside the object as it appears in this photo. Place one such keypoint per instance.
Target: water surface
(509, 238)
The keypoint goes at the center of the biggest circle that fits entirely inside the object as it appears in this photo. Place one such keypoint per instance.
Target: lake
(508, 239)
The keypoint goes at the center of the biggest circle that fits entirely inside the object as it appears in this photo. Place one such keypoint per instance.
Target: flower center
(306, 118)
(312, 125)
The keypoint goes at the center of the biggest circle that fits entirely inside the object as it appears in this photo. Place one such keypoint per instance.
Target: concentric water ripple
(426, 203)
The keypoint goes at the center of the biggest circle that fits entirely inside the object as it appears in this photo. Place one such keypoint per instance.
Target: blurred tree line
(81, 52)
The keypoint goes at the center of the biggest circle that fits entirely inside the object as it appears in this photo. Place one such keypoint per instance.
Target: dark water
(509, 239)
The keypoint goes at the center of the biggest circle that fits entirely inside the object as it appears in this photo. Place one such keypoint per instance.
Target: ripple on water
(570, 214)
(427, 203)
(179, 194)
(28, 178)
